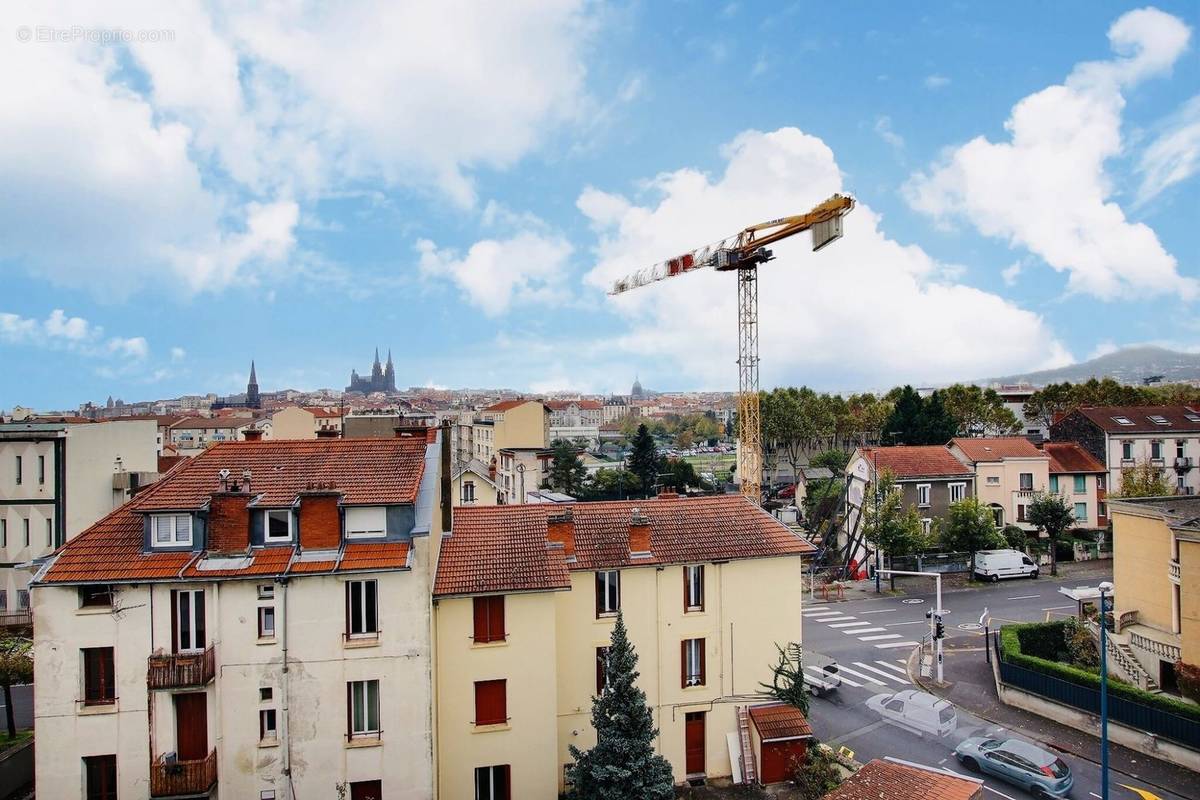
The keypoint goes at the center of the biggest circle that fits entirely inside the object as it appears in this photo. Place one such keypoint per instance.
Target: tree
(818, 775)
(787, 678)
(567, 473)
(1051, 514)
(1144, 480)
(678, 474)
(833, 460)
(979, 412)
(970, 527)
(611, 484)
(644, 461)
(937, 424)
(915, 420)
(16, 666)
(887, 525)
(1016, 538)
(623, 764)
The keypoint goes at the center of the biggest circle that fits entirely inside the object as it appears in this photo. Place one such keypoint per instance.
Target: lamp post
(1105, 595)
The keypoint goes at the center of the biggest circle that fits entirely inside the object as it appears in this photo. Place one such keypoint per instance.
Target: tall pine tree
(644, 461)
(567, 472)
(623, 764)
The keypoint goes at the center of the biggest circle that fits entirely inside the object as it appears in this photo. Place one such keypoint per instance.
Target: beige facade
(192, 435)
(1005, 481)
(1083, 493)
(472, 486)
(295, 422)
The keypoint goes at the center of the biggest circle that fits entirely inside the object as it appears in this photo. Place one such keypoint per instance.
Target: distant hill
(1127, 365)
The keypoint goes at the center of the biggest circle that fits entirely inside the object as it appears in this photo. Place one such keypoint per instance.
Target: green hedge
(1045, 640)
(1012, 637)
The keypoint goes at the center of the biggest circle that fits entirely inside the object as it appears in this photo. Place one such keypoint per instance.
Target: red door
(191, 726)
(366, 790)
(693, 742)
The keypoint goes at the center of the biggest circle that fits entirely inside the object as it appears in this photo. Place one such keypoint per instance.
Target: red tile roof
(503, 548)
(505, 405)
(887, 780)
(915, 461)
(585, 405)
(1176, 418)
(779, 721)
(365, 471)
(328, 413)
(1068, 457)
(997, 448)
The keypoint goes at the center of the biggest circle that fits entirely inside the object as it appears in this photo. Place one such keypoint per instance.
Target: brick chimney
(668, 494)
(229, 522)
(319, 520)
(560, 529)
(639, 534)
(253, 434)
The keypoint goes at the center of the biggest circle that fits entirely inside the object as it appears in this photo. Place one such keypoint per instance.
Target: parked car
(820, 674)
(787, 492)
(919, 712)
(993, 565)
(1038, 771)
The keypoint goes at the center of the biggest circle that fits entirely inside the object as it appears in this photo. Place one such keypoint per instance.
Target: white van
(916, 711)
(993, 565)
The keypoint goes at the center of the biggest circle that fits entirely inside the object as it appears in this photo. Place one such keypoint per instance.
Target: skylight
(1123, 420)
(1157, 420)
(1191, 418)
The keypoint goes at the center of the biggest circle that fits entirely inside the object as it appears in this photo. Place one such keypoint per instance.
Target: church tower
(376, 372)
(389, 374)
(252, 398)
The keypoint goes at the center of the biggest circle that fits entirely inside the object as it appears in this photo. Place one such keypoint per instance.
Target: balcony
(1183, 463)
(181, 670)
(1173, 571)
(172, 778)
(1157, 462)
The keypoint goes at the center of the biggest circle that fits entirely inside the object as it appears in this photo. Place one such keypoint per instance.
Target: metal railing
(1163, 650)
(181, 670)
(1183, 463)
(17, 619)
(174, 778)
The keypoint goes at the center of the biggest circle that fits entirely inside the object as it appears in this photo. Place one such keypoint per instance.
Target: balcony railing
(1157, 462)
(17, 619)
(1183, 463)
(1173, 570)
(1128, 618)
(181, 670)
(1168, 652)
(175, 778)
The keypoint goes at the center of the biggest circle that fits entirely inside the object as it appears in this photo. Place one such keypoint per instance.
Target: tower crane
(742, 253)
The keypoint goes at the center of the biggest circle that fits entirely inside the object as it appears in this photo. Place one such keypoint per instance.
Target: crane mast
(743, 253)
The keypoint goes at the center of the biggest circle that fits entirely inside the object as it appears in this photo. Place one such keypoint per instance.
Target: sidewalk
(1086, 572)
(974, 690)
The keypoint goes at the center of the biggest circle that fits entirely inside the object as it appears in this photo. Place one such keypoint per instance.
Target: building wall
(293, 423)
(1005, 490)
(1189, 600)
(92, 451)
(485, 491)
(939, 495)
(1142, 453)
(1089, 495)
(1141, 552)
(526, 425)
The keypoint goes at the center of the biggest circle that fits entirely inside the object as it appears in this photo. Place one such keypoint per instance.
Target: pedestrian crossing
(852, 626)
(871, 676)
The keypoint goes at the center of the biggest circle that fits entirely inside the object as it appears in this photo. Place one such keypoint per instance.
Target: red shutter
(496, 618)
(701, 647)
(349, 711)
(683, 664)
(505, 783)
(491, 706)
(481, 619)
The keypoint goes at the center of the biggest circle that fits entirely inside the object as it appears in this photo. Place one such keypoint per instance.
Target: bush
(818, 774)
(1188, 676)
(1012, 637)
(1042, 640)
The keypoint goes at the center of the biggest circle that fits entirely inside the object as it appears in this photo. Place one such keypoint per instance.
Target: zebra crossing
(852, 626)
(860, 674)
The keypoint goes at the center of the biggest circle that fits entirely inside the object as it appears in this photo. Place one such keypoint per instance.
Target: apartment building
(191, 435)
(298, 422)
(929, 476)
(1080, 479)
(1120, 437)
(1009, 472)
(1156, 572)
(56, 479)
(524, 602)
(512, 438)
(473, 484)
(575, 419)
(254, 625)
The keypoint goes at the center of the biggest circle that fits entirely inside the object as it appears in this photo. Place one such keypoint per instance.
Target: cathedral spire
(376, 357)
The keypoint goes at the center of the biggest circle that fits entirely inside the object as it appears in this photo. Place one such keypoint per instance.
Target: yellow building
(524, 603)
(1156, 572)
(473, 485)
(295, 422)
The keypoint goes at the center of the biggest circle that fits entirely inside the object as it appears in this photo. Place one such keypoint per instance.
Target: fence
(933, 562)
(1086, 698)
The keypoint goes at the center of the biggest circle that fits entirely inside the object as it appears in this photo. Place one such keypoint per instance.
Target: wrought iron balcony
(173, 778)
(1183, 463)
(1173, 570)
(181, 670)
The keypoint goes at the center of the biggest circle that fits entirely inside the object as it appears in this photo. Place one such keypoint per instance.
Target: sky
(190, 186)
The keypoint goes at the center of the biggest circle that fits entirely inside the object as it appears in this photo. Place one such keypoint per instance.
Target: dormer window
(366, 523)
(277, 525)
(171, 530)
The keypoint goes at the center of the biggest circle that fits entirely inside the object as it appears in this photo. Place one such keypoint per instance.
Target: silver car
(1038, 771)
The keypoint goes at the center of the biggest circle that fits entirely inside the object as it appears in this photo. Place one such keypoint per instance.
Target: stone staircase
(1122, 661)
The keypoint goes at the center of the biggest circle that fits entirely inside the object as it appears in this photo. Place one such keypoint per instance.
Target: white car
(993, 565)
(916, 711)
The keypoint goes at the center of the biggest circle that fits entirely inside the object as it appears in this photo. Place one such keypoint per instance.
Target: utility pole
(1105, 597)
(937, 630)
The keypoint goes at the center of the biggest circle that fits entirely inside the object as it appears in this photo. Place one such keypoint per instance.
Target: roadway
(872, 639)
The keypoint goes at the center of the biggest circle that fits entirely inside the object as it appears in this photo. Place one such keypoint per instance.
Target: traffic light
(940, 630)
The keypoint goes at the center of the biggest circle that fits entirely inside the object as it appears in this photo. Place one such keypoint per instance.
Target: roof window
(1123, 420)
(1159, 420)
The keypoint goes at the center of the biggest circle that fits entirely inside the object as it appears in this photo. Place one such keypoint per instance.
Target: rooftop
(996, 448)
(885, 780)
(1145, 419)
(916, 461)
(779, 721)
(1068, 457)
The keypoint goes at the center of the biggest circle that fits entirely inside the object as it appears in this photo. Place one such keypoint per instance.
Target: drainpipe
(285, 720)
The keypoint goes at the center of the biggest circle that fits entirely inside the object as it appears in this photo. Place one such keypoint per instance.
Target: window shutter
(599, 593)
(700, 585)
(701, 648)
(496, 618)
(683, 664)
(505, 783)
(348, 601)
(349, 710)
(174, 620)
(201, 640)
(490, 702)
(687, 585)
(481, 619)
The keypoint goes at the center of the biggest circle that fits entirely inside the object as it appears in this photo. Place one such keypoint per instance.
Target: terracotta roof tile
(997, 448)
(374, 555)
(505, 405)
(1068, 457)
(886, 780)
(1176, 418)
(779, 721)
(915, 461)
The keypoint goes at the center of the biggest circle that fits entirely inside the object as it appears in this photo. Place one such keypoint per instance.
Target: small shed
(780, 735)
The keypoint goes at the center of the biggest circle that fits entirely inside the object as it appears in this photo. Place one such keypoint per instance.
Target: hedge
(1012, 637)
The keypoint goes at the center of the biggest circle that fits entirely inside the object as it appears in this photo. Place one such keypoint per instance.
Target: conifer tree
(644, 461)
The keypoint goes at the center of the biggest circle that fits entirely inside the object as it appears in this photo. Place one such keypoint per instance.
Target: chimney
(253, 434)
(229, 521)
(639, 534)
(328, 433)
(409, 430)
(560, 529)
(668, 494)
(446, 482)
(319, 521)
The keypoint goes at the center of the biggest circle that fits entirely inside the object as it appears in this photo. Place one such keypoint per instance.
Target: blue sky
(460, 184)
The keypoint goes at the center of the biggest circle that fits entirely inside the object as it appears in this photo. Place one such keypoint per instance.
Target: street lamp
(1105, 595)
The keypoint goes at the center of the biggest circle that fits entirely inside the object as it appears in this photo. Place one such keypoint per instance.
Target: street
(872, 639)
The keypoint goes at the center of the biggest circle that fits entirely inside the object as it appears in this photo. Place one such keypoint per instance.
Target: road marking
(1023, 597)
(880, 611)
(895, 644)
(843, 679)
(917, 622)
(865, 630)
(879, 638)
(878, 671)
(842, 668)
(1093, 794)
(814, 608)
(839, 618)
(823, 614)
(892, 666)
(849, 624)
(1057, 608)
(1002, 794)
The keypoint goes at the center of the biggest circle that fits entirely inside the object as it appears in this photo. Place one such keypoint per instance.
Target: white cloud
(498, 273)
(883, 127)
(178, 354)
(936, 81)
(1174, 155)
(1102, 349)
(134, 347)
(1046, 189)
(1012, 272)
(62, 332)
(867, 310)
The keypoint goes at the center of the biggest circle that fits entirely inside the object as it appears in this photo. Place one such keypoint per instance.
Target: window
(1054, 484)
(1102, 509)
(1156, 449)
(1127, 451)
(608, 592)
(1100, 481)
(265, 693)
(1180, 447)
(1123, 420)
(1159, 420)
(692, 662)
(1081, 512)
(926, 525)
(923, 494)
(49, 533)
(25, 530)
(1080, 484)
(491, 702)
(95, 596)
(19, 471)
(1021, 512)
(693, 588)
(1026, 481)
(100, 777)
(187, 619)
(41, 469)
(468, 491)
(98, 686)
(277, 525)
(493, 783)
(3, 533)
(362, 704)
(489, 619)
(172, 529)
(993, 480)
(362, 616)
(366, 523)
(266, 724)
(23, 599)
(601, 669)
(3, 599)
(958, 491)
(266, 591)
(266, 622)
